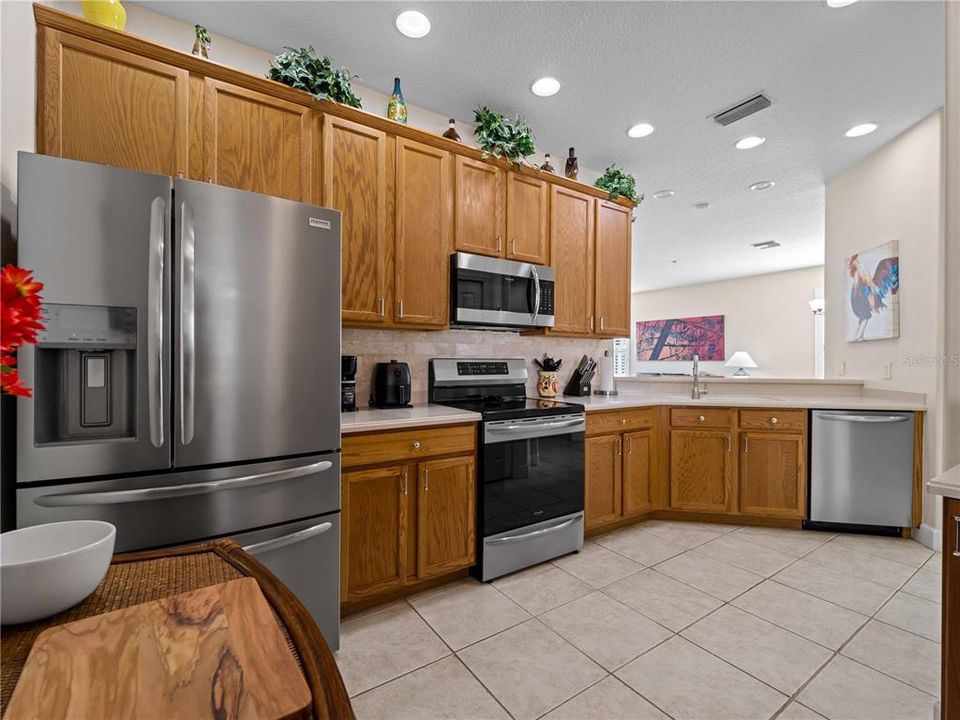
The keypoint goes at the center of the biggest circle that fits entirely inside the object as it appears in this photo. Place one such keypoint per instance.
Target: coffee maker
(348, 383)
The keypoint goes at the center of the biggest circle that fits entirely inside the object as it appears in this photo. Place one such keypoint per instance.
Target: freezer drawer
(861, 468)
(175, 508)
(305, 555)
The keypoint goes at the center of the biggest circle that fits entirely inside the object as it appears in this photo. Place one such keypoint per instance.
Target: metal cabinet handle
(499, 244)
(701, 418)
(629, 445)
(380, 305)
(416, 444)
(623, 421)
(400, 303)
(746, 443)
(601, 323)
(956, 536)
(619, 446)
(513, 246)
(294, 537)
(403, 483)
(591, 323)
(426, 480)
(187, 323)
(774, 421)
(729, 443)
(117, 497)
(155, 321)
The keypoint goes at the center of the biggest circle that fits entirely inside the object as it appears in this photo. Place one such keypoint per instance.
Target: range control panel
(485, 367)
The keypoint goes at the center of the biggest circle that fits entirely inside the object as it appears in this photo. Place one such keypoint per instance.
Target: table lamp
(741, 359)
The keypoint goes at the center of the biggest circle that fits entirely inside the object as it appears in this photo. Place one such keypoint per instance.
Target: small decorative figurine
(397, 107)
(451, 132)
(547, 167)
(572, 168)
(201, 44)
(105, 12)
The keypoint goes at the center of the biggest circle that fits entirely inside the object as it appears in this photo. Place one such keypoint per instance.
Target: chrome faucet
(697, 392)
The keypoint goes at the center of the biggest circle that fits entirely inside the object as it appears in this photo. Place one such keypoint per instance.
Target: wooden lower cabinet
(950, 631)
(602, 496)
(702, 470)
(638, 471)
(446, 516)
(773, 478)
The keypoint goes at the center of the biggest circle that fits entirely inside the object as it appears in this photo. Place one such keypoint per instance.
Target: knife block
(577, 385)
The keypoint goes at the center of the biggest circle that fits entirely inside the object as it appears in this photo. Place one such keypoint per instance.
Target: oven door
(492, 291)
(531, 471)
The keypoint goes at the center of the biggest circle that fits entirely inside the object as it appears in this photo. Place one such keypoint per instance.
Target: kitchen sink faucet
(697, 392)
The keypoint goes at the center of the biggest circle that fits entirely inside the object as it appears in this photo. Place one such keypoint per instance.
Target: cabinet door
(701, 470)
(446, 538)
(423, 195)
(479, 216)
(638, 460)
(773, 477)
(950, 612)
(571, 248)
(372, 549)
(355, 183)
(99, 104)
(602, 499)
(613, 270)
(255, 142)
(527, 200)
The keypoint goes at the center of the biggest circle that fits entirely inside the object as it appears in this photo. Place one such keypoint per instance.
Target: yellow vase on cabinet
(105, 12)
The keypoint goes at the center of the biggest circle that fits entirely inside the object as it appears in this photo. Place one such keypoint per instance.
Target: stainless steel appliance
(530, 490)
(186, 385)
(861, 470)
(492, 292)
(391, 385)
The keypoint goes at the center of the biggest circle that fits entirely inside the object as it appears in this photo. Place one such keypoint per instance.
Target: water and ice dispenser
(86, 374)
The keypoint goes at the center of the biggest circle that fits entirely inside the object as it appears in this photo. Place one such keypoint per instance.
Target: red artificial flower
(20, 320)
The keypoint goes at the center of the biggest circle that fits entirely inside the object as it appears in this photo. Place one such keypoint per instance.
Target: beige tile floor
(687, 621)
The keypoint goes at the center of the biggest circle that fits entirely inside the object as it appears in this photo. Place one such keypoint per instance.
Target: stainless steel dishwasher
(861, 469)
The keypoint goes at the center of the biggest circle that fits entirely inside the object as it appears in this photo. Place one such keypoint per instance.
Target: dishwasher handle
(840, 417)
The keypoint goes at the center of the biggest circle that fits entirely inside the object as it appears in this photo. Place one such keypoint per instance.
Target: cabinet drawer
(616, 420)
(391, 447)
(693, 417)
(774, 419)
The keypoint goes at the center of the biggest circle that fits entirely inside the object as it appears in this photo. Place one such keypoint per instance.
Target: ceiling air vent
(739, 112)
(766, 245)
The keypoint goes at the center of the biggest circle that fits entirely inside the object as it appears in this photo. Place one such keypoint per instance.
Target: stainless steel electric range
(530, 464)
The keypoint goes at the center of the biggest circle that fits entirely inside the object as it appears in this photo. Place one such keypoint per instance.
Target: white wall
(894, 194)
(766, 315)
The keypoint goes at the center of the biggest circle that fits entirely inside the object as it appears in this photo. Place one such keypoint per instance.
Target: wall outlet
(887, 370)
(843, 368)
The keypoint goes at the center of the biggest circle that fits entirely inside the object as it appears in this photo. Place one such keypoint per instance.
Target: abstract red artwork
(681, 338)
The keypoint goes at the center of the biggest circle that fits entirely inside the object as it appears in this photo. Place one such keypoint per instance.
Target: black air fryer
(391, 385)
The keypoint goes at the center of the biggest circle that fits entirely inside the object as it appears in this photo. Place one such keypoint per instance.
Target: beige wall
(766, 315)
(894, 194)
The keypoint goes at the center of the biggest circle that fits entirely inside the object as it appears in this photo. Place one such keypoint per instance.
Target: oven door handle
(536, 426)
(532, 534)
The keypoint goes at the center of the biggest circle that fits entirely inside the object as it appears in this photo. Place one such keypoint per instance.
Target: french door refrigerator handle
(863, 418)
(155, 321)
(118, 497)
(535, 533)
(284, 540)
(187, 320)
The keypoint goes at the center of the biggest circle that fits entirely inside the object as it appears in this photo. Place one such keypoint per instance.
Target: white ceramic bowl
(47, 568)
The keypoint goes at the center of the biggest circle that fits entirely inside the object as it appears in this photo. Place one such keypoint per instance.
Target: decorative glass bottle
(397, 107)
(451, 132)
(547, 167)
(201, 43)
(572, 168)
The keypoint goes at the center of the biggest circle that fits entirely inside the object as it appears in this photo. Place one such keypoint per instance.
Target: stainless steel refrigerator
(187, 384)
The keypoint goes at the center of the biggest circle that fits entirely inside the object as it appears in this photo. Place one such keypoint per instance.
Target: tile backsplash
(416, 347)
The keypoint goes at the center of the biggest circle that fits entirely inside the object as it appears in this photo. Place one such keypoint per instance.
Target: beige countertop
(719, 398)
(947, 483)
(369, 419)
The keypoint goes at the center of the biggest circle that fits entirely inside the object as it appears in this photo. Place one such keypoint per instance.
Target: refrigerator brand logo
(318, 223)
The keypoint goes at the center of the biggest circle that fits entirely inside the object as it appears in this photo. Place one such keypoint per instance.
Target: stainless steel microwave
(492, 292)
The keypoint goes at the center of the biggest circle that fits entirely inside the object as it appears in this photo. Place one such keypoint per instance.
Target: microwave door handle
(536, 292)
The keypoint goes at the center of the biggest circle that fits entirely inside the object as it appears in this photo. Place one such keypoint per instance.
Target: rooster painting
(874, 285)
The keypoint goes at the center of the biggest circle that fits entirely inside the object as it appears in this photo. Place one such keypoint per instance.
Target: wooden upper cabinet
(613, 269)
(602, 496)
(638, 462)
(527, 202)
(702, 466)
(373, 549)
(571, 250)
(773, 474)
(446, 516)
(100, 104)
(256, 142)
(355, 183)
(479, 207)
(424, 195)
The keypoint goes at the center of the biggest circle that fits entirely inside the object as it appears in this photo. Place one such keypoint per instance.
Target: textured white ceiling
(672, 64)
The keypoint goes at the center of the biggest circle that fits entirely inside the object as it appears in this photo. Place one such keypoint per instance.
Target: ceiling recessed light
(861, 130)
(840, 3)
(766, 245)
(701, 206)
(413, 23)
(751, 141)
(545, 87)
(674, 262)
(640, 130)
(661, 194)
(763, 185)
